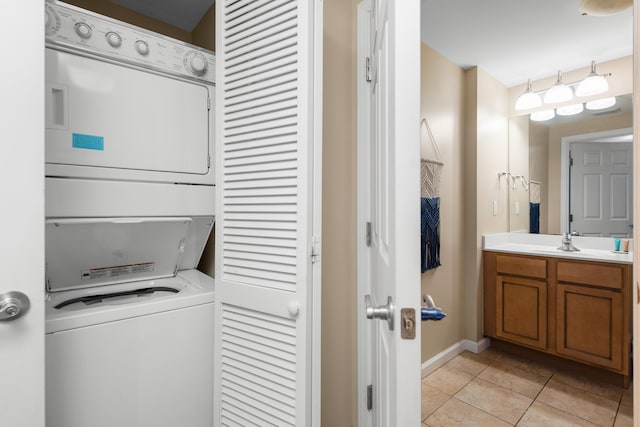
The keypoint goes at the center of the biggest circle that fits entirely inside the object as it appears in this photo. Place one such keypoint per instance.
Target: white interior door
(389, 166)
(267, 249)
(602, 189)
(22, 212)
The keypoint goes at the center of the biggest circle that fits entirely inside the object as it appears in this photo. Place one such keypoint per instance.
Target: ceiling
(184, 14)
(514, 40)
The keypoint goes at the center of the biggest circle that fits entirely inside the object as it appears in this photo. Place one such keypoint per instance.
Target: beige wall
(556, 133)
(486, 154)
(339, 369)
(204, 34)
(442, 105)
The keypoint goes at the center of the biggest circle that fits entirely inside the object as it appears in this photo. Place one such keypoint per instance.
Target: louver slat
(239, 249)
(242, 22)
(276, 20)
(260, 109)
(268, 61)
(251, 153)
(258, 369)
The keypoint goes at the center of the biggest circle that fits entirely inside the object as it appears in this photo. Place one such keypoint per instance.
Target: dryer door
(111, 121)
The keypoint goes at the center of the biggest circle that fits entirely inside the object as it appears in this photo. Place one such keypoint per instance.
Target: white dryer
(129, 203)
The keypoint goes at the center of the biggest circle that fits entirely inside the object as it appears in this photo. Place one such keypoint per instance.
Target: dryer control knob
(196, 63)
(114, 39)
(83, 30)
(142, 47)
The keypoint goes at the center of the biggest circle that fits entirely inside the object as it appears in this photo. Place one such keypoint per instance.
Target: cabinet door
(521, 311)
(590, 325)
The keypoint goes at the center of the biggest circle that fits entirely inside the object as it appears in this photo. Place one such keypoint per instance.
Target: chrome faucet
(567, 243)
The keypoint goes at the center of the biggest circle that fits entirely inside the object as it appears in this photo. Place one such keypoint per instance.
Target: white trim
(565, 142)
(447, 354)
(316, 213)
(363, 214)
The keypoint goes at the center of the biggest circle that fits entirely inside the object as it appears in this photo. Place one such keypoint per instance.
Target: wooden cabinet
(578, 310)
(522, 310)
(589, 325)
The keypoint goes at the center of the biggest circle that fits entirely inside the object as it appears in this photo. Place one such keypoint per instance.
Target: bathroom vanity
(573, 305)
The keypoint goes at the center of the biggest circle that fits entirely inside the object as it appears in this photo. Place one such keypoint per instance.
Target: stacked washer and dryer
(129, 209)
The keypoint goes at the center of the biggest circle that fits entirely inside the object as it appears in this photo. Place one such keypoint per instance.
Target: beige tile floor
(498, 389)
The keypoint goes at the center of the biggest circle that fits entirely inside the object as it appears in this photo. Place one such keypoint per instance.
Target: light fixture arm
(593, 72)
(559, 81)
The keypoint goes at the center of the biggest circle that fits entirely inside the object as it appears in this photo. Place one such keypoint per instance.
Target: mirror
(539, 163)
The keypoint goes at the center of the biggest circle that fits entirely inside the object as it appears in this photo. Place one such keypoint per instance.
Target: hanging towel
(534, 207)
(430, 233)
(534, 218)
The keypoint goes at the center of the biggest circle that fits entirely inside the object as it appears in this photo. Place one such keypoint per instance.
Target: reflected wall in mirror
(594, 196)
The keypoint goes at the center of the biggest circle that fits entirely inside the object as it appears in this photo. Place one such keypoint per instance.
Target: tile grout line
(535, 399)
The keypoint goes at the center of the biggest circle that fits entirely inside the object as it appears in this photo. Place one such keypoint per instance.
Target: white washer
(122, 352)
(139, 361)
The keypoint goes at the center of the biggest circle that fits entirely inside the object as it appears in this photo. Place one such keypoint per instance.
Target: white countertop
(591, 248)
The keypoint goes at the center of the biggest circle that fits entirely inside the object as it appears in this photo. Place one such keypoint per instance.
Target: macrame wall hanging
(430, 171)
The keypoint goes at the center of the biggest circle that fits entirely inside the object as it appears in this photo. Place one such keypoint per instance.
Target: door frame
(565, 143)
(363, 216)
(22, 339)
(636, 209)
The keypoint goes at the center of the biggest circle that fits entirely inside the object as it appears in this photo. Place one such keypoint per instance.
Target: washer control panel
(71, 27)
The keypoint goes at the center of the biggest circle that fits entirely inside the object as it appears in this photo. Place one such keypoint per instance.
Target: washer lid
(82, 253)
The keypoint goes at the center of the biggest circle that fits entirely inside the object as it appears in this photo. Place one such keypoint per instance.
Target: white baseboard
(476, 347)
(449, 353)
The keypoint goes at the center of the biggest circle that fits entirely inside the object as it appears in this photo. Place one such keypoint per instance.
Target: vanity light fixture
(601, 104)
(529, 99)
(570, 110)
(559, 92)
(593, 84)
(541, 116)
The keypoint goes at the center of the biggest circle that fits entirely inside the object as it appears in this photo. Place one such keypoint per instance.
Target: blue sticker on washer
(88, 142)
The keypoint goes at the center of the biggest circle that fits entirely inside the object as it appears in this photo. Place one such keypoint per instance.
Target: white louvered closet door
(267, 270)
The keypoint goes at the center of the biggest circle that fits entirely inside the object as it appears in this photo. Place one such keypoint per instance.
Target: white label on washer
(117, 270)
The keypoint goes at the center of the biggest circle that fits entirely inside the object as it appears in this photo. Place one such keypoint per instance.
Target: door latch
(408, 319)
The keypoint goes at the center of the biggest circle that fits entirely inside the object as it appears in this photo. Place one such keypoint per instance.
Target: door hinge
(570, 161)
(570, 217)
(208, 102)
(370, 397)
(368, 234)
(315, 249)
(367, 69)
